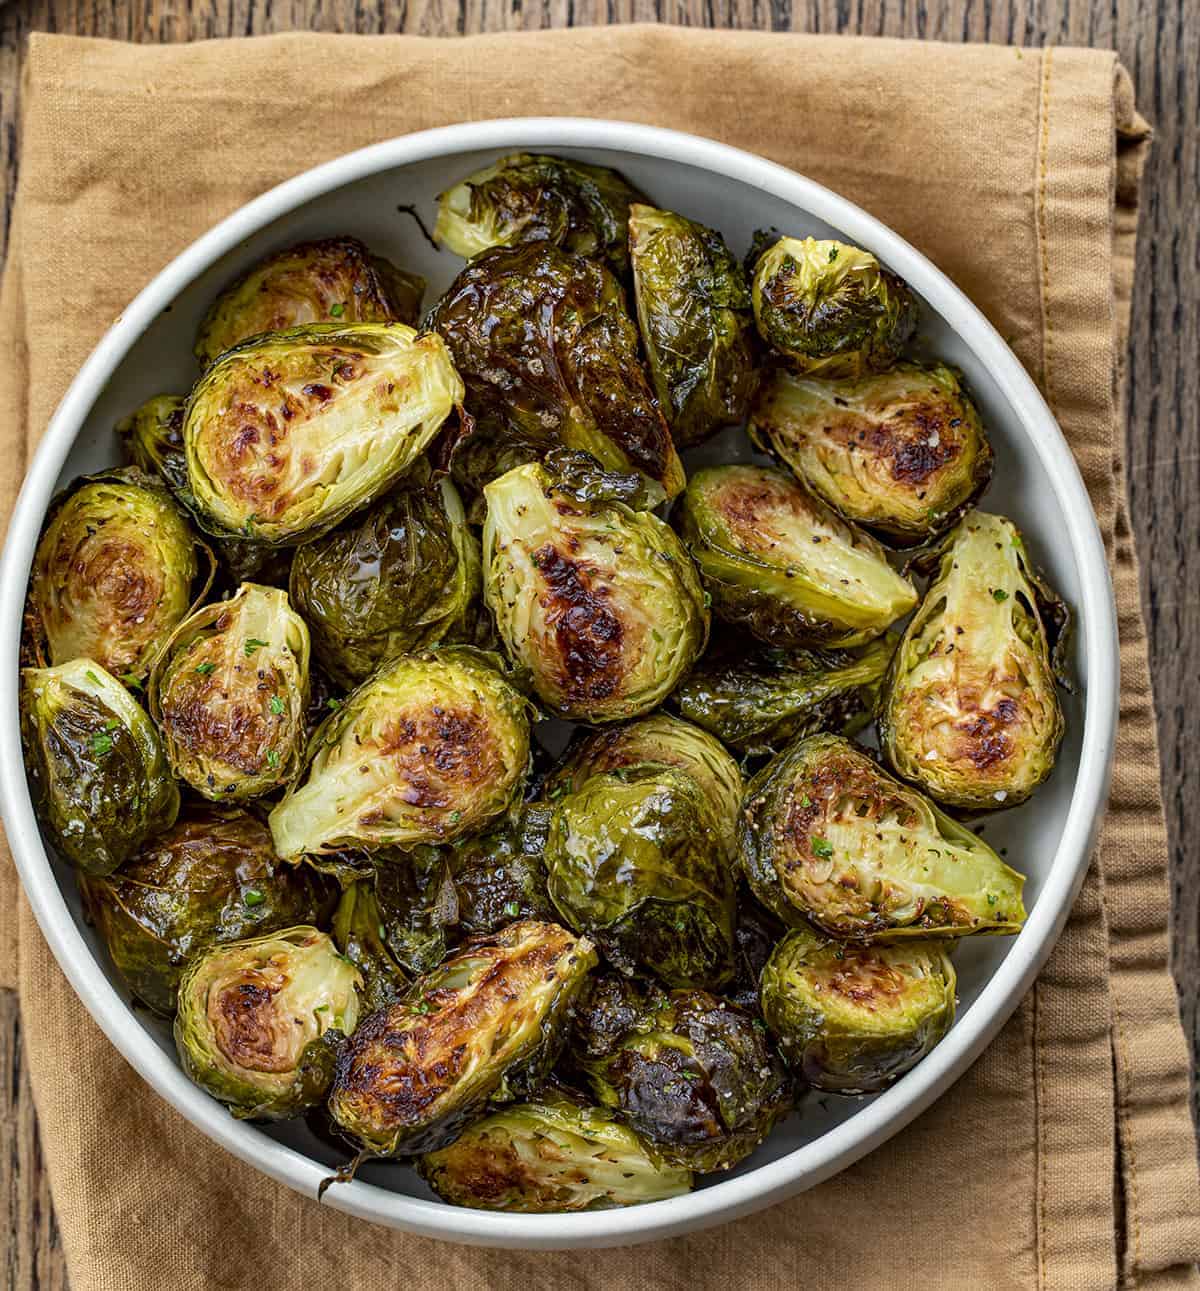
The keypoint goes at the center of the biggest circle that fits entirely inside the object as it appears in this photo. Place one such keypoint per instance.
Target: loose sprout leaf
(902, 452)
(781, 564)
(829, 838)
(970, 712)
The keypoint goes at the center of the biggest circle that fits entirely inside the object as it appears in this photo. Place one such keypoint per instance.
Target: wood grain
(1158, 40)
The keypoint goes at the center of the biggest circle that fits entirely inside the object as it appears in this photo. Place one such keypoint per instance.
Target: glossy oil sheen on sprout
(287, 433)
(488, 1023)
(550, 359)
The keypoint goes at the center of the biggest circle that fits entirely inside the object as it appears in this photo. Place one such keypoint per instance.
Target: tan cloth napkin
(1018, 174)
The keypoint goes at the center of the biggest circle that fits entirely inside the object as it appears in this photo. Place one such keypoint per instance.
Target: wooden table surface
(1158, 41)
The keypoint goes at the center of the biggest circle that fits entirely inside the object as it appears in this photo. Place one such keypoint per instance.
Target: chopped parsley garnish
(101, 744)
(337, 310)
(999, 595)
(252, 897)
(276, 705)
(272, 758)
(512, 909)
(821, 847)
(205, 668)
(253, 644)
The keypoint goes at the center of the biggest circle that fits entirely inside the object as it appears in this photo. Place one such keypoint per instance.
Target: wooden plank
(1158, 40)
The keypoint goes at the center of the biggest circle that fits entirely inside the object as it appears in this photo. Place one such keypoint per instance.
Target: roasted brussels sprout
(758, 700)
(288, 433)
(638, 860)
(361, 936)
(529, 198)
(113, 574)
(902, 452)
(830, 307)
(693, 308)
(259, 1021)
(500, 875)
(401, 577)
(152, 437)
(429, 748)
(548, 1157)
(97, 772)
(782, 564)
(690, 1072)
(599, 604)
(969, 711)
(850, 1018)
(486, 1025)
(550, 359)
(211, 879)
(336, 280)
(229, 693)
(830, 838)
(665, 741)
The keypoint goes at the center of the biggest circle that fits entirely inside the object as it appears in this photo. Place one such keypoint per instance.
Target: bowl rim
(872, 1124)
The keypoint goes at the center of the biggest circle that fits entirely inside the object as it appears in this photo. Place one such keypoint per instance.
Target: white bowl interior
(1023, 488)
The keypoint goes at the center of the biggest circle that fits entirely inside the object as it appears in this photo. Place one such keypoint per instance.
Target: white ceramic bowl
(149, 350)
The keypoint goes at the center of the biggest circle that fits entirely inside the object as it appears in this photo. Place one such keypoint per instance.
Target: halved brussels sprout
(694, 311)
(598, 603)
(551, 1156)
(690, 1072)
(759, 700)
(850, 1019)
(530, 198)
(113, 574)
(97, 773)
(229, 693)
(970, 711)
(777, 561)
(550, 359)
(638, 859)
(400, 577)
(287, 434)
(361, 936)
(211, 879)
(429, 748)
(830, 838)
(486, 1025)
(152, 437)
(336, 280)
(831, 307)
(500, 876)
(259, 1021)
(665, 741)
(902, 452)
